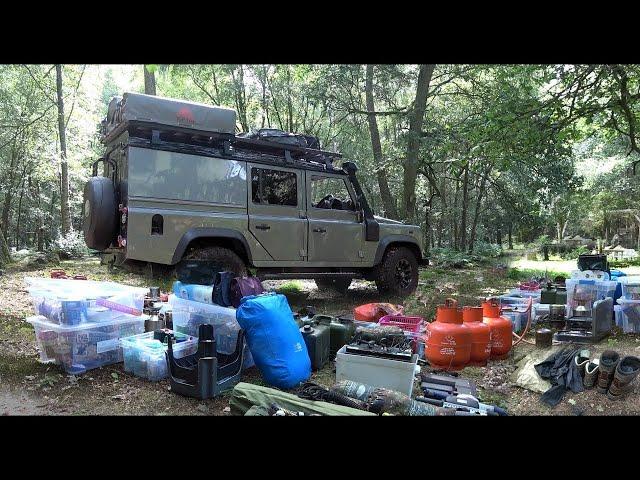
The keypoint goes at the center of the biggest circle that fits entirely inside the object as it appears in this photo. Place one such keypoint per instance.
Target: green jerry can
(554, 294)
(341, 330)
(318, 339)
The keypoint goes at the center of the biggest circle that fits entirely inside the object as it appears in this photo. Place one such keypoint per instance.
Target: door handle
(320, 230)
(263, 227)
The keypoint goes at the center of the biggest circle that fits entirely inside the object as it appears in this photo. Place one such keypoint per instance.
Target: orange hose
(520, 338)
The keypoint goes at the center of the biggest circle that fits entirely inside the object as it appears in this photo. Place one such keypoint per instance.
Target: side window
(274, 187)
(330, 193)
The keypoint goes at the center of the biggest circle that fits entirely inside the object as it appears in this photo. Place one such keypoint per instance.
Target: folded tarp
(246, 395)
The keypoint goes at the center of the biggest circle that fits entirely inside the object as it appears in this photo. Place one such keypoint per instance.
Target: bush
(70, 246)
(487, 250)
(575, 253)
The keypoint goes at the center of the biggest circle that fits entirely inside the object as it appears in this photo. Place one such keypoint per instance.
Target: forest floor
(29, 387)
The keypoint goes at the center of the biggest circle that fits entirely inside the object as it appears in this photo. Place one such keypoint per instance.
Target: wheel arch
(211, 236)
(397, 241)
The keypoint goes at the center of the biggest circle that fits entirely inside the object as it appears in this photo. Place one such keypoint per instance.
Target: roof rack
(275, 153)
(289, 152)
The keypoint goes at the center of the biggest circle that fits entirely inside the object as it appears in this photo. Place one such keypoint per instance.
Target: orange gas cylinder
(372, 312)
(448, 340)
(480, 335)
(501, 329)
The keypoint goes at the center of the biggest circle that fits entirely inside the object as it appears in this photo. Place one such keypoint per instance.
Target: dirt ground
(28, 387)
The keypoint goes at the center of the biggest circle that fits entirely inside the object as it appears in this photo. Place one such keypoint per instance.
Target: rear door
(277, 216)
(335, 234)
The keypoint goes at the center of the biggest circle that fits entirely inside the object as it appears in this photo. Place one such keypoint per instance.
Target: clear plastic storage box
(518, 319)
(189, 315)
(583, 292)
(510, 300)
(517, 292)
(627, 314)
(88, 345)
(72, 302)
(630, 287)
(144, 356)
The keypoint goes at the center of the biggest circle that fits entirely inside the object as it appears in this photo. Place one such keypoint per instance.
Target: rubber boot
(608, 362)
(626, 372)
(591, 371)
(581, 359)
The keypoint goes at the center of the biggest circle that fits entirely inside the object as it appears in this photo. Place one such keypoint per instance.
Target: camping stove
(587, 325)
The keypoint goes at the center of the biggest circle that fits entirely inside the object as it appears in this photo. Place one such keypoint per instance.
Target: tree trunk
(64, 183)
(52, 209)
(499, 236)
(289, 102)
(5, 254)
(24, 169)
(463, 215)
(149, 81)
(454, 215)
(39, 226)
(476, 214)
(510, 236)
(416, 117)
(387, 199)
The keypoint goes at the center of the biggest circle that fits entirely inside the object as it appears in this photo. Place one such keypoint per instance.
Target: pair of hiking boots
(609, 374)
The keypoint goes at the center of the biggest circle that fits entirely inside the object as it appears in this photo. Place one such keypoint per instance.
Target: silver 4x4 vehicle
(177, 183)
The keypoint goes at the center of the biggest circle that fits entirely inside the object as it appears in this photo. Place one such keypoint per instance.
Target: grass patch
(294, 286)
(520, 274)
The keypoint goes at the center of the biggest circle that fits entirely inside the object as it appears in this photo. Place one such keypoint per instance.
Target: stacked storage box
(588, 291)
(144, 356)
(189, 315)
(87, 345)
(630, 287)
(627, 314)
(526, 294)
(518, 318)
(74, 330)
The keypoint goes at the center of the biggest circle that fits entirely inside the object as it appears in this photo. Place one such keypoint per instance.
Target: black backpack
(222, 288)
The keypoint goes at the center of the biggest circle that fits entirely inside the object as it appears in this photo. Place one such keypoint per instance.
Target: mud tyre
(397, 274)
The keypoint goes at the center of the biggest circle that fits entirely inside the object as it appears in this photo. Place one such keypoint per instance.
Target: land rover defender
(177, 183)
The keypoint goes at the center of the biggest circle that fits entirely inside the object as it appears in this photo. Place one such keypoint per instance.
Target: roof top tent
(167, 122)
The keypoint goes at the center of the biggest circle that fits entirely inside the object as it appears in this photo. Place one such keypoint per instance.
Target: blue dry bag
(276, 344)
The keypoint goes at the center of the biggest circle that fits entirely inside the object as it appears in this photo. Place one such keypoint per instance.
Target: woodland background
(481, 156)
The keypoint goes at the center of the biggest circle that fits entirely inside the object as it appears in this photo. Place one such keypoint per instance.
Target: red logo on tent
(185, 117)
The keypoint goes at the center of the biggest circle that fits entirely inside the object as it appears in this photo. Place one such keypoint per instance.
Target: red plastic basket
(408, 324)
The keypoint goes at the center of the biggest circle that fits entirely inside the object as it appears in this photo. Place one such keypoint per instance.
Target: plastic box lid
(42, 322)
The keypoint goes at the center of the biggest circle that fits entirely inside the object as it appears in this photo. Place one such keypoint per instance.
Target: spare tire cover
(100, 217)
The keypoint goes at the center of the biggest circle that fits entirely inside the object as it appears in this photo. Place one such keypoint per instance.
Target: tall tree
(387, 199)
(416, 117)
(150, 79)
(64, 167)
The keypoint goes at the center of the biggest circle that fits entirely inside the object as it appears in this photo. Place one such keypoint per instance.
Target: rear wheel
(341, 285)
(397, 274)
(221, 258)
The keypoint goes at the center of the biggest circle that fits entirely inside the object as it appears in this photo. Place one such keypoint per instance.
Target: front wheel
(397, 274)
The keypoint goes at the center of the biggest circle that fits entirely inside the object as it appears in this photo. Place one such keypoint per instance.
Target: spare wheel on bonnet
(100, 213)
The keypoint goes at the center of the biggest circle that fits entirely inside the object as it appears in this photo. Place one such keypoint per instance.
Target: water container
(317, 337)
(447, 340)
(196, 293)
(341, 331)
(501, 329)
